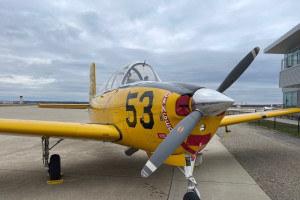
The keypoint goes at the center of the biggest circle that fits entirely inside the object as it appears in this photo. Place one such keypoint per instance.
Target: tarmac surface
(97, 170)
(271, 158)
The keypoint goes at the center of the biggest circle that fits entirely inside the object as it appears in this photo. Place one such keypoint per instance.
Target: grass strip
(279, 126)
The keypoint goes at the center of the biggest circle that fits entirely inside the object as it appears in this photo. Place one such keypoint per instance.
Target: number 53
(147, 109)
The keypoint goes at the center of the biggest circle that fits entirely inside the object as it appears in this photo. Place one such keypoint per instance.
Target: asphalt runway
(270, 157)
(97, 170)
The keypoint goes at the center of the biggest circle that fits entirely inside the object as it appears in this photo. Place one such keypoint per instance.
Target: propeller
(171, 142)
(207, 103)
(238, 70)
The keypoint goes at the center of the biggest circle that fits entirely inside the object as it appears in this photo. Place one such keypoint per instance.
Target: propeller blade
(181, 131)
(238, 70)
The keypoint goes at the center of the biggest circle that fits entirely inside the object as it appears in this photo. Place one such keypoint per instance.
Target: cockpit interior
(133, 73)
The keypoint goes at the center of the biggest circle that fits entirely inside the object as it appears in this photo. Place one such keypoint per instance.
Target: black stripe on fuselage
(179, 88)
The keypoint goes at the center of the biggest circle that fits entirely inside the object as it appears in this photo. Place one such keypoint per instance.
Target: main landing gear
(192, 192)
(54, 167)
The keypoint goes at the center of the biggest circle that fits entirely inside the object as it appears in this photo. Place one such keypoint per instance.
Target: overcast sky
(46, 47)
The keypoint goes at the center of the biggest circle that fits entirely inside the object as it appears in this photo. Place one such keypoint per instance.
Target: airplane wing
(235, 119)
(107, 132)
(65, 106)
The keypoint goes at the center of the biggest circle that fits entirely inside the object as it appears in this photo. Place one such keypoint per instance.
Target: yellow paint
(235, 119)
(54, 182)
(60, 129)
(111, 108)
(174, 160)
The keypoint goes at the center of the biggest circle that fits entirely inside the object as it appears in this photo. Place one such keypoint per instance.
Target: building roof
(285, 43)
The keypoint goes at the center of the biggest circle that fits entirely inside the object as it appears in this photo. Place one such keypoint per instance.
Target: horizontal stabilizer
(65, 106)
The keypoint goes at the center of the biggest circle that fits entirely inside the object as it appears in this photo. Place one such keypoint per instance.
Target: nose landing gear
(192, 192)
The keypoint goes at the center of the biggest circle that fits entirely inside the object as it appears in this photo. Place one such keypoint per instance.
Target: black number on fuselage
(147, 110)
(131, 108)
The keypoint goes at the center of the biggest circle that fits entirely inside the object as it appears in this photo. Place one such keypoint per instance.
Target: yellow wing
(235, 119)
(60, 129)
(66, 106)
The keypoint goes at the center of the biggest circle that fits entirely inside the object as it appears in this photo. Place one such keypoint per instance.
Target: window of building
(284, 100)
(291, 59)
(294, 99)
(290, 99)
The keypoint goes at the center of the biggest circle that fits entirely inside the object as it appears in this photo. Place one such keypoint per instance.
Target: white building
(289, 80)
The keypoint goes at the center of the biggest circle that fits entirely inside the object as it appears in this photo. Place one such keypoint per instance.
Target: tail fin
(92, 82)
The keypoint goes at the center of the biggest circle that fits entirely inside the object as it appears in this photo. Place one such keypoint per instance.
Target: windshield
(132, 73)
(139, 72)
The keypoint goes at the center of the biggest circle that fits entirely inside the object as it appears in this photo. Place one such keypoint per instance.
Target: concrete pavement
(97, 170)
(270, 157)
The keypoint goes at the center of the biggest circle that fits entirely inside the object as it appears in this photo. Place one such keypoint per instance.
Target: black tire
(54, 167)
(191, 195)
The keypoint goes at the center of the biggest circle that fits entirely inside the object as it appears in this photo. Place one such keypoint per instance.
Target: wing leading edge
(235, 119)
(104, 132)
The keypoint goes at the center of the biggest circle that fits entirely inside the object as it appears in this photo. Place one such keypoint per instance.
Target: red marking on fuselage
(164, 111)
(187, 148)
(199, 149)
(168, 123)
(195, 140)
(222, 113)
(162, 135)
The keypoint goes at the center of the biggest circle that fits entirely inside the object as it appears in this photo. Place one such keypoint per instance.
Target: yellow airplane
(171, 122)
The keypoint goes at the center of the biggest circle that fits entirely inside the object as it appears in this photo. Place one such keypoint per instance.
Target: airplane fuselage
(146, 112)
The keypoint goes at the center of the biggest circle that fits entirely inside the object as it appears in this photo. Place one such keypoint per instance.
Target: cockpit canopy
(137, 72)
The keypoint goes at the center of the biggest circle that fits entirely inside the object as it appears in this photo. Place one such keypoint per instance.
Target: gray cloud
(195, 41)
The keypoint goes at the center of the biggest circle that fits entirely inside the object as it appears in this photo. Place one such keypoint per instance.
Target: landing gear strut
(192, 192)
(54, 167)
